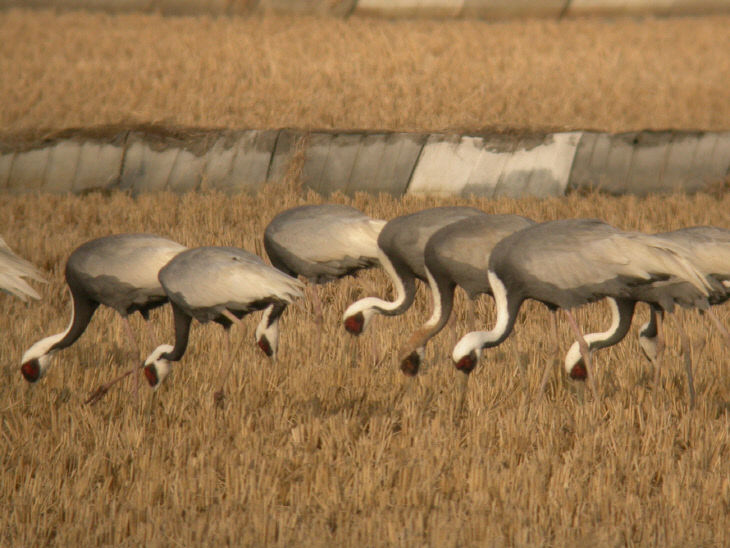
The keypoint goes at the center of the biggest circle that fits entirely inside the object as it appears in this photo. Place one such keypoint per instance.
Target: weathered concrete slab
(640, 7)
(250, 164)
(288, 144)
(186, 172)
(409, 8)
(329, 161)
(100, 166)
(218, 167)
(6, 164)
(63, 162)
(496, 165)
(384, 163)
(649, 162)
(334, 8)
(498, 9)
(144, 169)
(603, 162)
(28, 171)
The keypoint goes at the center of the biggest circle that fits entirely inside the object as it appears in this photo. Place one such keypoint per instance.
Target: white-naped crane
(568, 263)
(456, 255)
(708, 248)
(401, 247)
(220, 284)
(118, 271)
(13, 270)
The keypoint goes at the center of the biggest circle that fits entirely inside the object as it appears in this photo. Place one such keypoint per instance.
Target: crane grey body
(322, 242)
(568, 263)
(457, 254)
(708, 248)
(220, 284)
(118, 271)
(401, 247)
(12, 271)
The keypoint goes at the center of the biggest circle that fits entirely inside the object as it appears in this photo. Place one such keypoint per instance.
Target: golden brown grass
(84, 69)
(311, 451)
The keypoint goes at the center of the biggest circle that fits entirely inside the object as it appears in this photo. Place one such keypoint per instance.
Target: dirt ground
(311, 451)
(84, 69)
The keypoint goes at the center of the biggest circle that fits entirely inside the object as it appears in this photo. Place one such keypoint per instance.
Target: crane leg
(657, 361)
(220, 394)
(687, 352)
(556, 354)
(585, 352)
(313, 290)
(718, 324)
(97, 394)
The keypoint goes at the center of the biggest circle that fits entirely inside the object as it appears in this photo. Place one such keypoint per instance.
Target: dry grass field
(83, 69)
(313, 451)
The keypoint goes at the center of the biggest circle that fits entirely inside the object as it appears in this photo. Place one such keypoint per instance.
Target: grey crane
(567, 263)
(709, 250)
(401, 246)
(456, 255)
(220, 284)
(13, 270)
(118, 271)
(322, 242)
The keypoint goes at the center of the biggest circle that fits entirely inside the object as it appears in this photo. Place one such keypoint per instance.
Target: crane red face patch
(411, 364)
(467, 363)
(579, 371)
(354, 324)
(31, 370)
(151, 375)
(264, 345)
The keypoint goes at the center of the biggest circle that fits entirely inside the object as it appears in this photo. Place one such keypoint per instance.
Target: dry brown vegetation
(311, 451)
(84, 69)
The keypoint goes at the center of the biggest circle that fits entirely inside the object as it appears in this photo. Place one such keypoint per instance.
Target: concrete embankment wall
(545, 164)
(488, 9)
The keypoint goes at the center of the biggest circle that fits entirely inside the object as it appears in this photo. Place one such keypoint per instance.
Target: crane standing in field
(401, 247)
(12, 271)
(568, 263)
(709, 250)
(118, 271)
(322, 243)
(220, 284)
(457, 254)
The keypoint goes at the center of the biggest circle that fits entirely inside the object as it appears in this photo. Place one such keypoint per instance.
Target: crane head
(575, 367)
(157, 366)
(411, 363)
(37, 359)
(467, 351)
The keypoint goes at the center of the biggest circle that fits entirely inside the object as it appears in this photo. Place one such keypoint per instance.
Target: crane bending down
(322, 243)
(709, 250)
(220, 284)
(567, 263)
(118, 271)
(12, 271)
(401, 246)
(457, 254)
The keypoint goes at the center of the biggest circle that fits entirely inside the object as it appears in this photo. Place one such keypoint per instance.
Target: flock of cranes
(563, 264)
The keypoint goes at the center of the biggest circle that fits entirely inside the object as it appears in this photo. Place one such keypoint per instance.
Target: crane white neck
(43, 349)
(476, 341)
(573, 356)
(369, 305)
